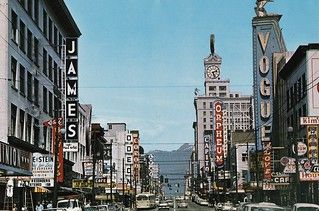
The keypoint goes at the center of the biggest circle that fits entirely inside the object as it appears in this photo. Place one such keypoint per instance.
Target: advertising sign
(267, 159)
(71, 84)
(312, 139)
(218, 120)
(42, 170)
(71, 147)
(207, 154)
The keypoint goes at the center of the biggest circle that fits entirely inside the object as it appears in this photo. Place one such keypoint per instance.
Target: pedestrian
(39, 207)
(49, 205)
(14, 208)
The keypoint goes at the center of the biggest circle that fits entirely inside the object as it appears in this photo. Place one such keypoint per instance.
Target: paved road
(191, 207)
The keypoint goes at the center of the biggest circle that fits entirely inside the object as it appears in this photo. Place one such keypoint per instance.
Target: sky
(141, 60)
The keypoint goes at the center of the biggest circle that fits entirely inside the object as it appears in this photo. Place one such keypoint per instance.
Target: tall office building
(235, 113)
(32, 78)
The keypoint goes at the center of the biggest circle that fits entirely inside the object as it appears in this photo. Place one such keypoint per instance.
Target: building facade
(236, 111)
(32, 70)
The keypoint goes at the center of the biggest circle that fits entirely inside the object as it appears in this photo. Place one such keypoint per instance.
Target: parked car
(305, 207)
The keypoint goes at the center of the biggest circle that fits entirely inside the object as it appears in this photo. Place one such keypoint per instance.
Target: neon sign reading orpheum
(218, 120)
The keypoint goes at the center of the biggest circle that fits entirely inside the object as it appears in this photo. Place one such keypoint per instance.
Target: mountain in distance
(173, 165)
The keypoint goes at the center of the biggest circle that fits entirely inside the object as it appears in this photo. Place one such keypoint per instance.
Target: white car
(305, 207)
(70, 204)
(262, 206)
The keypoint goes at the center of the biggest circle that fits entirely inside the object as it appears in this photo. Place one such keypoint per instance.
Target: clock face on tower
(212, 71)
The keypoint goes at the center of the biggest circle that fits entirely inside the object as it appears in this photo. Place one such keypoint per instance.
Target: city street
(191, 207)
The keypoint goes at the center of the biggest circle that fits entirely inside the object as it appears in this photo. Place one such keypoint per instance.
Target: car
(305, 207)
(227, 206)
(182, 204)
(163, 205)
(102, 207)
(170, 202)
(70, 204)
(262, 206)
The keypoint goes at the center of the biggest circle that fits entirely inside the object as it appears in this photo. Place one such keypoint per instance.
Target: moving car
(182, 204)
(70, 204)
(262, 206)
(163, 205)
(305, 207)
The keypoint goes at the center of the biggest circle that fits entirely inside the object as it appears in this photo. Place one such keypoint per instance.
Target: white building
(33, 34)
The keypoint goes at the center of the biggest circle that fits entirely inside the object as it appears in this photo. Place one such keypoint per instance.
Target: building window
(204, 105)
(22, 36)
(60, 79)
(45, 62)
(36, 91)
(36, 11)
(55, 39)
(29, 128)
(22, 80)
(50, 104)
(29, 44)
(22, 2)
(204, 120)
(21, 125)
(60, 44)
(45, 23)
(36, 51)
(304, 85)
(30, 8)
(50, 68)
(222, 88)
(29, 86)
(13, 119)
(244, 157)
(204, 113)
(45, 135)
(50, 30)
(45, 100)
(55, 74)
(36, 131)
(14, 66)
(14, 27)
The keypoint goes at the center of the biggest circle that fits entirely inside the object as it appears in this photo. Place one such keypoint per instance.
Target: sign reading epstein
(71, 104)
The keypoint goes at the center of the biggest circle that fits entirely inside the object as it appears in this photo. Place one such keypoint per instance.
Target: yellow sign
(81, 183)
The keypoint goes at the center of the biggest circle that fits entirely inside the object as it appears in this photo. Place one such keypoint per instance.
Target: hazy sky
(140, 60)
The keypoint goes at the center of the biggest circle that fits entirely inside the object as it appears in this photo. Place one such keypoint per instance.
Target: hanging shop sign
(71, 147)
(218, 134)
(206, 154)
(267, 157)
(312, 142)
(309, 120)
(71, 84)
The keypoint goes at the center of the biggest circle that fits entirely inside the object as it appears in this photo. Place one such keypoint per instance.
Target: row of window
(32, 8)
(244, 127)
(50, 68)
(23, 125)
(29, 86)
(24, 38)
(296, 92)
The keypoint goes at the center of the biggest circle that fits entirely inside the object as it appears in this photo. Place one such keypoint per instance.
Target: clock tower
(212, 65)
